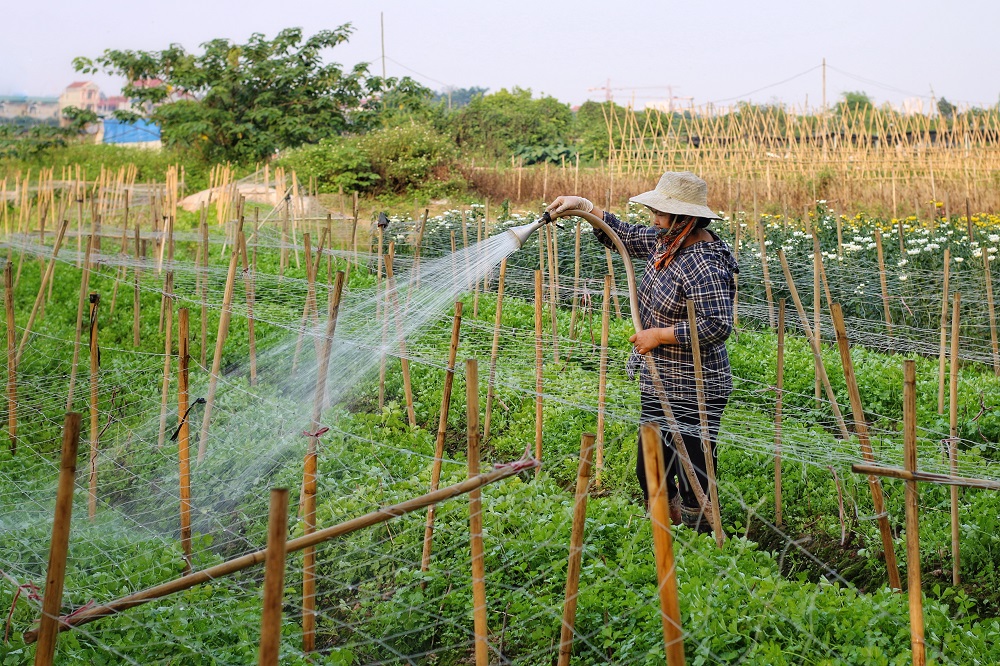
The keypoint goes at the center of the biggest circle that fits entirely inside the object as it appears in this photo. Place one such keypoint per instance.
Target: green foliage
(499, 123)
(241, 102)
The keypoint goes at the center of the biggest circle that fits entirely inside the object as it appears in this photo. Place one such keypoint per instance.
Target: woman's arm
(639, 240)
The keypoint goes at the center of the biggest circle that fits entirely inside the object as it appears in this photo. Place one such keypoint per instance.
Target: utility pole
(381, 19)
(824, 83)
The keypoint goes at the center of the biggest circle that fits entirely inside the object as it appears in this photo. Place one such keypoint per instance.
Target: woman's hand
(651, 338)
(568, 204)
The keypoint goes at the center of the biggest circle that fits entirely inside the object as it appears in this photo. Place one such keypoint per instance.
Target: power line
(771, 85)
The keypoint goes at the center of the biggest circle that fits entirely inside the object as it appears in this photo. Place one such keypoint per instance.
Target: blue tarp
(140, 131)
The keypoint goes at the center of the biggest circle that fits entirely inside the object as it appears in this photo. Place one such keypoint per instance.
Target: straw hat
(680, 193)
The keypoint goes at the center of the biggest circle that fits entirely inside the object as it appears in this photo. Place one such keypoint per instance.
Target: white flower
(872, 245)
(902, 278)
(977, 252)
(912, 251)
(991, 250)
(994, 238)
(902, 262)
(959, 259)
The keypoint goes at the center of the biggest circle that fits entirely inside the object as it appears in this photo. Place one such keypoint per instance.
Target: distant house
(139, 134)
(84, 95)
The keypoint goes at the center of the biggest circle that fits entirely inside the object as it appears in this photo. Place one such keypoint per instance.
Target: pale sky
(716, 51)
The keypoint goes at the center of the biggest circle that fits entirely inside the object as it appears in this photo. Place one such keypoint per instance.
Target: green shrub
(407, 155)
(334, 163)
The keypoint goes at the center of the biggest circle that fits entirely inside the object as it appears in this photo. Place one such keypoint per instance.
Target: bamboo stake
(762, 238)
(8, 301)
(204, 287)
(274, 578)
(220, 341)
(249, 278)
(476, 517)
(167, 351)
(602, 382)
(614, 286)
(95, 300)
(309, 475)
(814, 344)
(861, 430)
(494, 351)
(576, 280)
(953, 435)
(48, 629)
(912, 517)
(882, 281)
(442, 431)
(706, 441)
(576, 548)
(184, 434)
(817, 263)
(779, 394)
(553, 290)
(663, 547)
(403, 360)
(41, 289)
(539, 361)
(944, 331)
(136, 302)
(992, 313)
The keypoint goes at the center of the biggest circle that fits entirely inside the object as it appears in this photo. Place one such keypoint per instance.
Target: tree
(458, 97)
(242, 102)
(501, 123)
(945, 108)
(854, 101)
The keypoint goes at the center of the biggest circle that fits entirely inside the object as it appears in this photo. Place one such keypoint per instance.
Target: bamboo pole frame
(494, 351)
(814, 344)
(8, 300)
(663, 547)
(602, 381)
(442, 431)
(912, 514)
(539, 368)
(944, 331)
(95, 356)
(779, 395)
(40, 298)
(953, 434)
(274, 578)
(310, 467)
(706, 440)
(220, 341)
(251, 559)
(184, 433)
(476, 517)
(576, 548)
(861, 430)
(48, 630)
(404, 361)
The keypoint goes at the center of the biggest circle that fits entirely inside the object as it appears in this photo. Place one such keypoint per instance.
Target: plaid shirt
(702, 272)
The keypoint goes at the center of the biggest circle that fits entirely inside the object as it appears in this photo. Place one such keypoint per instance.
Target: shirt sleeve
(709, 283)
(639, 240)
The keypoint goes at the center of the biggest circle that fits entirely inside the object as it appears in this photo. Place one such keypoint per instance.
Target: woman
(684, 260)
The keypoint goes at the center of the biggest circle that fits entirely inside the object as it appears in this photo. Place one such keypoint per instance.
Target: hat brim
(666, 204)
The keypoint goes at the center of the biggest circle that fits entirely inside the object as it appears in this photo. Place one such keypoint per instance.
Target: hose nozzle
(523, 232)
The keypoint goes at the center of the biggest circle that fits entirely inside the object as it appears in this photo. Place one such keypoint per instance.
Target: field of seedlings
(260, 419)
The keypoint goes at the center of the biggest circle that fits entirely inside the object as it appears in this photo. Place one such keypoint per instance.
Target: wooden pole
(553, 290)
(779, 394)
(442, 431)
(220, 341)
(576, 281)
(994, 348)
(861, 430)
(944, 331)
(912, 517)
(249, 278)
(539, 366)
(136, 301)
(48, 629)
(953, 435)
(84, 289)
(663, 546)
(576, 548)
(242, 562)
(95, 300)
(274, 578)
(8, 301)
(204, 288)
(167, 351)
(476, 517)
(882, 281)
(184, 433)
(602, 381)
(762, 238)
(404, 362)
(814, 344)
(494, 351)
(309, 474)
(614, 287)
(41, 289)
(706, 440)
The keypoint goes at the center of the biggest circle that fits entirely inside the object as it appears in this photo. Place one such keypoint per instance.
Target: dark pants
(686, 414)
